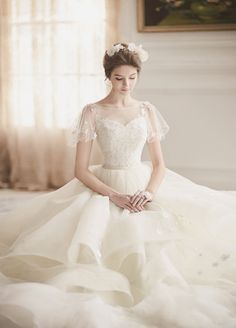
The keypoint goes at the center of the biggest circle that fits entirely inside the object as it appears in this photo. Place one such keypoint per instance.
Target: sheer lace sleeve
(84, 127)
(157, 126)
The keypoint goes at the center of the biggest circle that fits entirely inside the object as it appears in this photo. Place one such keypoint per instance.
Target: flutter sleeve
(157, 127)
(84, 128)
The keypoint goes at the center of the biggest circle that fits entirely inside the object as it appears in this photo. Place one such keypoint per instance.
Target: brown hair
(122, 57)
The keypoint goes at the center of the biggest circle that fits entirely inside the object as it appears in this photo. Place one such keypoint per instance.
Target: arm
(158, 171)
(157, 175)
(83, 135)
(157, 128)
(82, 172)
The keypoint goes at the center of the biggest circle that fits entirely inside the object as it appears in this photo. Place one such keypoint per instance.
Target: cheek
(133, 82)
(118, 84)
(115, 84)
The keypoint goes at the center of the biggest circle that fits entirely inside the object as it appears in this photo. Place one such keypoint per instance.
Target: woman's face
(123, 79)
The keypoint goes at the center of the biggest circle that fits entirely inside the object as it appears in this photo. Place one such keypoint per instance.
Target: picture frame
(185, 15)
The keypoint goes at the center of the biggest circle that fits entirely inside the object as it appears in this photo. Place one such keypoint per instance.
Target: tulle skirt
(71, 258)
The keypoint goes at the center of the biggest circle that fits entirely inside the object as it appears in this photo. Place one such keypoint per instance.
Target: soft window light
(55, 66)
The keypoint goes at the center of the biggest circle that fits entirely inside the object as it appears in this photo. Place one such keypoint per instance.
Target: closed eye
(131, 78)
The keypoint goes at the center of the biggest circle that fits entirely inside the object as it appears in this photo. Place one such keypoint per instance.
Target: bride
(126, 243)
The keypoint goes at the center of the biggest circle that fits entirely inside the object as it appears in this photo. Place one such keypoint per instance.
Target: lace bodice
(121, 133)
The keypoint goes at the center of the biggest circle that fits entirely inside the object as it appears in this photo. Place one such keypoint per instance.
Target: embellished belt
(120, 167)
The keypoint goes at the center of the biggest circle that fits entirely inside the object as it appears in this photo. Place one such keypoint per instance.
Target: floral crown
(143, 54)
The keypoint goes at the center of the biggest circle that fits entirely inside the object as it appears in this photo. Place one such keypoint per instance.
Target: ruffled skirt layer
(71, 258)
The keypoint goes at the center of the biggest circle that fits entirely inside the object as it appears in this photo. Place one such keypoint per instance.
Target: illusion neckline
(124, 125)
(117, 108)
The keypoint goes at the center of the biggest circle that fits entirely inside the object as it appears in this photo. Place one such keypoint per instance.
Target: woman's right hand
(123, 201)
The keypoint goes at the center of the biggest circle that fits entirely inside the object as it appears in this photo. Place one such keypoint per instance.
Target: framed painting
(185, 15)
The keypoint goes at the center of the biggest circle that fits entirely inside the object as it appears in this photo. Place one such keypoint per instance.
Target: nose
(125, 82)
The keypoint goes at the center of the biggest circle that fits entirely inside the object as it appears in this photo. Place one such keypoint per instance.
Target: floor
(10, 198)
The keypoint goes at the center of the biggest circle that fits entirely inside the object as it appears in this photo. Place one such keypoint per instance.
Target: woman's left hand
(140, 198)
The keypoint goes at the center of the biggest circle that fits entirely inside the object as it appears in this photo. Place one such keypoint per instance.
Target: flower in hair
(143, 54)
(114, 49)
(131, 46)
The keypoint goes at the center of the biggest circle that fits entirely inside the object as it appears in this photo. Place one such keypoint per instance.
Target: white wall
(191, 78)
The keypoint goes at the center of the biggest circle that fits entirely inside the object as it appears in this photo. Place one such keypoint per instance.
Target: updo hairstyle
(122, 57)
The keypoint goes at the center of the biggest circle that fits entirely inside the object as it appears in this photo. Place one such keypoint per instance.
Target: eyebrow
(122, 75)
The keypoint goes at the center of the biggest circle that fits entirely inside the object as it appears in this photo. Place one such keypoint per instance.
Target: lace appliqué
(84, 128)
(156, 124)
(147, 123)
(121, 144)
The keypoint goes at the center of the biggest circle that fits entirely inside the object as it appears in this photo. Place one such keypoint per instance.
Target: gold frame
(176, 28)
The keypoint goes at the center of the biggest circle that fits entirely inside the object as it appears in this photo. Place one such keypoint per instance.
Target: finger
(129, 206)
(138, 198)
(126, 207)
(132, 199)
(134, 208)
(144, 203)
(141, 200)
(139, 208)
(134, 196)
(130, 203)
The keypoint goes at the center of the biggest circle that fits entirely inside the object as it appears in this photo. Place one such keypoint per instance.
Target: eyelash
(131, 78)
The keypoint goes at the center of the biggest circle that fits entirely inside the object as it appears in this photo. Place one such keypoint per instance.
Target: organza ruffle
(71, 258)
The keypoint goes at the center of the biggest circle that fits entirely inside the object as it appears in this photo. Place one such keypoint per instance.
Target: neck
(119, 100)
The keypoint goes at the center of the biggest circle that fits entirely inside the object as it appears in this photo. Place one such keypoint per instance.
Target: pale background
(191, 78)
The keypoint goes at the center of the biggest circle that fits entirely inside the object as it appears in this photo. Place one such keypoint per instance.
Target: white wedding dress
(70, 258)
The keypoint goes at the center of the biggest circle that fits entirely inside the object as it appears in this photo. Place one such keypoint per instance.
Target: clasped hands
(135, 202)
